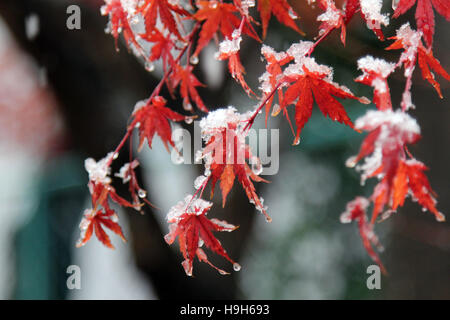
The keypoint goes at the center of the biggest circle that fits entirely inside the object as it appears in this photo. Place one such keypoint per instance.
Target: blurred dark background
(89, 90)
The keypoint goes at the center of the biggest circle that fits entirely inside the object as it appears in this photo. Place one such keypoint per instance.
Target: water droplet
(276, 110)
(268, 219)
(236, 266)
(351, 162)
(149, 66)
(296, 141)
(394, 4)
(257, 167)
(142, 193)
(223, 272)
(116, 155)
(193, 59)
(187, 106)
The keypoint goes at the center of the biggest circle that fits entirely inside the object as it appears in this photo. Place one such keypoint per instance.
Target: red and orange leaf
(93, 220)
(188, 222)
(218, 16)
(226, 154)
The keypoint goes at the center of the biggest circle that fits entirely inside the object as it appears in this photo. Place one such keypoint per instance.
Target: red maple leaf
(166, 10)
(281, 10)
(218, 16)
(229, 155)
(426, 62)
(119, 21)
(315, 83)
(373, 19)
(188, 222)
(425, 14)
(226, 153)
(153, 117)
(161, 49)
(410, 178)
(188, 83)
(94, 221)
(356, 211)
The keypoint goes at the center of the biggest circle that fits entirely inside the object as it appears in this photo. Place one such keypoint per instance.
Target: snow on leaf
(281, 10)
(375, 73)
(218, 16)
(356, 211)
(229, 50)
(269, 80)
(371, 11)
(119, 12)
(425, 14)
(385, 157)
(313, 80)
(188, 222)
(413, 50)
(331, 19)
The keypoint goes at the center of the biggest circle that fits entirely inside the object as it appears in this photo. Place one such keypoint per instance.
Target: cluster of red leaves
(390, 132)
(426, 61)
(101, 213)
(227, 153)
